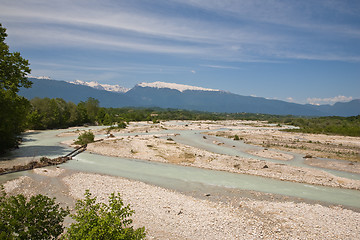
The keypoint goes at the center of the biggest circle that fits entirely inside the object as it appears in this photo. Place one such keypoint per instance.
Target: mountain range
(171, 95)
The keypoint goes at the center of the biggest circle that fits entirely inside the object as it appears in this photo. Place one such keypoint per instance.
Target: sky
(298, 51)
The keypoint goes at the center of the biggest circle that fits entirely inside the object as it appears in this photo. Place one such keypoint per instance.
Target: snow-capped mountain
(40, 77)
(177, 96)
(106, 87)
(175, 86)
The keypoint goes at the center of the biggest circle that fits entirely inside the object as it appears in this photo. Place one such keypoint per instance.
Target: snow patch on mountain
(175, 86)
(106, 87)
(40, 77)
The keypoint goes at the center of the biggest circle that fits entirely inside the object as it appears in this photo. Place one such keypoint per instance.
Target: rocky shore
(170, 215)
(162, 148)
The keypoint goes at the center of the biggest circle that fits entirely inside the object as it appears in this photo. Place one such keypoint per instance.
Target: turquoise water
(179, 177)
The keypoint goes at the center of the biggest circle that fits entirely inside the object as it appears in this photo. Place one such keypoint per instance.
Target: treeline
(46, 113)
(57, 113)
(347, 126)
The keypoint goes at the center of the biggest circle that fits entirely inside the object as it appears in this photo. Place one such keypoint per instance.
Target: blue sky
(301, 51)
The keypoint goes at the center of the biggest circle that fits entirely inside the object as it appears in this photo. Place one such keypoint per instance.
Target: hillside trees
(13, 108)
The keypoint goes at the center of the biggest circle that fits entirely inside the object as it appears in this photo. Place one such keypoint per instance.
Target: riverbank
(162, 148)
(171, 215)
(317, 145)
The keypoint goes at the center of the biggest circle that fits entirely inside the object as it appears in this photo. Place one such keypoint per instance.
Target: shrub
(236, 138)
(121, 125)
(85, 138)
(101, 221)
(35, 218)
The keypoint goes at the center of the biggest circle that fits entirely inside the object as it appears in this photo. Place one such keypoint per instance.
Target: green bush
(121, 125)
(236, 138)
(85, 138)
(35, 218)
(101, 221)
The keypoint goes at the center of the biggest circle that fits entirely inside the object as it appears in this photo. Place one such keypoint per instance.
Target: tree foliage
(101, 221)
(55, 113)
(348, 126)
(85, 138)
(36, 218)
(13, 108)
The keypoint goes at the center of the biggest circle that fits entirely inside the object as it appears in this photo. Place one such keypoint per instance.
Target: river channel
(181, 178)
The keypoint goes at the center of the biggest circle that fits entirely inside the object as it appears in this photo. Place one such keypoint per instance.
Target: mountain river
(182, 178)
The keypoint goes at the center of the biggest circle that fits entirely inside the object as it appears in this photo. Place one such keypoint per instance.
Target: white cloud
(318, 101)
(126, 26)
(193, 71)
(296, 14)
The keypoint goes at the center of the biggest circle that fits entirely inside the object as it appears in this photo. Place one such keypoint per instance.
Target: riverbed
(229, 188)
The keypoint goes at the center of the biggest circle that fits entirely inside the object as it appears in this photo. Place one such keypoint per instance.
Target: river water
(182, 178)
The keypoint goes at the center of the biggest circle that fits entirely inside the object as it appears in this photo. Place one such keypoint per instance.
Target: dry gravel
(317, 145)
(170, 215)
(162, 149)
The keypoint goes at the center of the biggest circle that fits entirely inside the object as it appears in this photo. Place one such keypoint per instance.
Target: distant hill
(170, 95)
(70, 92)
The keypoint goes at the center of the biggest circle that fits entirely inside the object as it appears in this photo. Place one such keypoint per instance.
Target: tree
(92, 108)
(85, 138)
(82, 114)
(36, 218)
(108, 120)
(13, 108)
(101, 221)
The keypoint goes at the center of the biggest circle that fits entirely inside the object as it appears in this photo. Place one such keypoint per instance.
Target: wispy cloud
(292, 13)
(122, 26)
(318, 101)
(220, 66)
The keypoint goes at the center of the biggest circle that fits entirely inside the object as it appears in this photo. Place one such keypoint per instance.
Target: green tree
(81, 112)
(36, 218)
(101, 116)
(13, 108)
(92, 108)
(85, 138)
(108, 120)
(101, 221)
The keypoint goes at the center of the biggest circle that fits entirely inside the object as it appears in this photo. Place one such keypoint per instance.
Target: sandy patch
(336, 165)
(50, 172)
(9, 186)
(266, 153)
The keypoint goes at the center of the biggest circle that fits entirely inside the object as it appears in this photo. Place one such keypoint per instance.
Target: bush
(35, 218)
(121, 125)
(236, 138)
(85, 138)
(100, 221)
